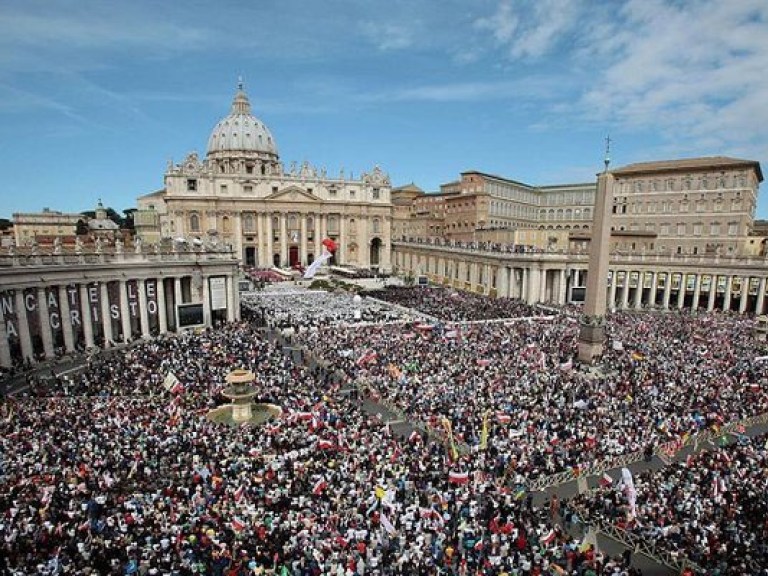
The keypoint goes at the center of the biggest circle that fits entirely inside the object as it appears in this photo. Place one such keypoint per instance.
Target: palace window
(191, 185)
(194, 223)
(375, 193)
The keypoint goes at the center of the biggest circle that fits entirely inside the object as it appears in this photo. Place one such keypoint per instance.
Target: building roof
(685, 164)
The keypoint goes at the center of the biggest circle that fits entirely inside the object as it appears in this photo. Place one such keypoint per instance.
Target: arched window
(376, 226)
(194, 223)
(226, 225)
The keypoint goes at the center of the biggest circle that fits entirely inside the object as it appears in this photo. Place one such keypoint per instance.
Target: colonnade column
(178, 299)
(712, 293)
(681, 291)
(760, 297)
(612, 291)
(543, 285)
(727, 298)
(667, 291)
(524, 285)
(21, 317)
(5, 348)
(66, 319)
(45, 323)
(744, 295)
(696, 292)
(206, 302)
(654, 287)
(270, 240)
(162, 309)
(562, 286)
(87, 320)
(502, 282)
(125, 314)
(533, 285)
(142, 287)
(106, 319)
(638, 299)
(625, 291)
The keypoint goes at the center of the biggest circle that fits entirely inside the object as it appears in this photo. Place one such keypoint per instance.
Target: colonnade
(734, 284)
(47, 312)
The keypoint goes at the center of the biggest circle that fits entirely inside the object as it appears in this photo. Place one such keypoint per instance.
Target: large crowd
(108, 472)
(712, 508)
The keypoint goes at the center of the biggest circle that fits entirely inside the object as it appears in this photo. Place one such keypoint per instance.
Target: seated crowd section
(105, 471)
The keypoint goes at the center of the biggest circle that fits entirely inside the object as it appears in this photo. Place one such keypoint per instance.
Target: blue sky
(96, 96)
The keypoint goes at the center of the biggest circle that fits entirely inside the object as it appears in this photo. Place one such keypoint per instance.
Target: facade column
(303, 240)
(85, 310)
(283, 240)
(318, 236)
(66, 319)
(696, 292)
(143, 313)
(342, 249)
(543, 285)
(270, 240)
(625, 291)
(178, 298)
(21, 318)
(612, 292)
(162, 321)
(744, 295)
(106, 319)
(638, 299)
(125, 313)
(667, 291)
(5, 347)
(562, 286)
(45, 323)
(760, 297)
(727, 298)
(712, 292)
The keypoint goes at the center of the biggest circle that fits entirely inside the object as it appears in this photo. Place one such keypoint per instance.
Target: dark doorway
(375, 252)
(250, 256)
(276, 260)
(293, 255)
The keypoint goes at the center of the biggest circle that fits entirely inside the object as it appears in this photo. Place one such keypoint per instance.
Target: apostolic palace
(683, 234)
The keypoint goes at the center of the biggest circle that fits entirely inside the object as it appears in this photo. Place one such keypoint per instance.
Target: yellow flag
(484, 432)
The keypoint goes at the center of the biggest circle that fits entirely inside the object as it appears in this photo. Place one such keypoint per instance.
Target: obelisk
(592, 329)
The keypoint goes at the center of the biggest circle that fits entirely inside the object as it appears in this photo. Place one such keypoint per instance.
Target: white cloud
(531, 29)
(389, 36)
(693, 70)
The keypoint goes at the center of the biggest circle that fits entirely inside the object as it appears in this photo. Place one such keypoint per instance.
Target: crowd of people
(454, 306)
(711, 509)
(320, 309)
(111, 472)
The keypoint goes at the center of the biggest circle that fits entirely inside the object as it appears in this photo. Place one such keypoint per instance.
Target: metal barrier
(640, 545)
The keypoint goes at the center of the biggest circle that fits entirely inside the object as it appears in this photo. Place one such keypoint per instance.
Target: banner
(218, 291)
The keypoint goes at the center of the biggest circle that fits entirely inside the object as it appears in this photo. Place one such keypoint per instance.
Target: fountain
(241, 409)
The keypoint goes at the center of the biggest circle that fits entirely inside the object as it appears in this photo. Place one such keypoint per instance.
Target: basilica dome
(241, 133)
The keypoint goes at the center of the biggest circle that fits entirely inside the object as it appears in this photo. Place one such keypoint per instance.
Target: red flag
(319, 487)
(458, 478)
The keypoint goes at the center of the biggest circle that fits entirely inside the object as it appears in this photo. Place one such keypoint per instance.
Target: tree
(81, 229)
(128, 220)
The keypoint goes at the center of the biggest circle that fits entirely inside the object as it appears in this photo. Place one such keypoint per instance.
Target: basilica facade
(242, 195)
